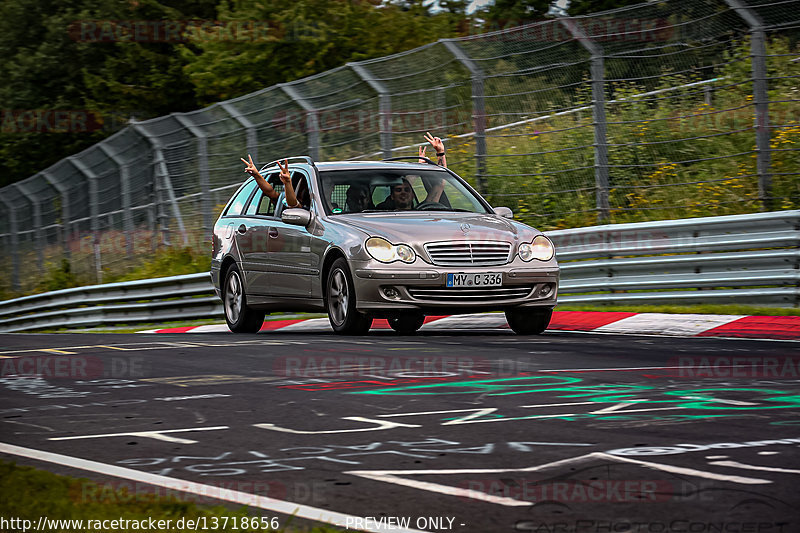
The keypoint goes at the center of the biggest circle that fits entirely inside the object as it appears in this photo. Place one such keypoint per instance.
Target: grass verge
(27, 493)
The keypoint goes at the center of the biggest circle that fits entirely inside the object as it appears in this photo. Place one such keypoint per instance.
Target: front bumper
(406, 289)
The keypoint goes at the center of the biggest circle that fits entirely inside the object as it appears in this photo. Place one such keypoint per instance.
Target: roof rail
(410, 157)
(305, 158)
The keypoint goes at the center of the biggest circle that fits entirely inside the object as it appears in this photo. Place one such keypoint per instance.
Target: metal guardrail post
(384, 106)
(758, 55)
(250, 128)
(65, 215)
(125, 189)
(12, 220)
(312, 121)
(94, 207)
(478, 111)
(162, 184)
(37, 223)
(599, 116)
(202, 155)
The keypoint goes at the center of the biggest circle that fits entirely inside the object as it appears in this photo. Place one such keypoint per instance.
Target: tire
(240, 318)
(529, 321)
(407, 323)
(340, 301)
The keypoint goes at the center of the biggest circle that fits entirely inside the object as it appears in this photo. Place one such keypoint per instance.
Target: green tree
(51, 63)
(304, 38)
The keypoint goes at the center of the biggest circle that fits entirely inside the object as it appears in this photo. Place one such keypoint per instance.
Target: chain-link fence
(667, 109)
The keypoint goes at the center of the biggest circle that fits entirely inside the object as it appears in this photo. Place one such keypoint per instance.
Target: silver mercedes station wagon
(395, 240)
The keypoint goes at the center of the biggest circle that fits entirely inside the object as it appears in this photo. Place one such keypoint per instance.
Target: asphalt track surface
(480, 431)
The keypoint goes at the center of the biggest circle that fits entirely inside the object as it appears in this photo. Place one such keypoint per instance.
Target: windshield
(376, 190)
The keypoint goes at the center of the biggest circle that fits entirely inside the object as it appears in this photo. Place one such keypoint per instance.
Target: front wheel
(529, 321)
(240, 318)
(340, 300)
(407, 324)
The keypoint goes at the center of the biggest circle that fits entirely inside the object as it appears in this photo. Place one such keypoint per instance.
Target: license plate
(482, 279)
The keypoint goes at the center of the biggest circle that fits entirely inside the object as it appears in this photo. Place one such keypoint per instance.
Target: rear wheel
(340, 300)
(406, 324)
(240, 318)
(529, 321)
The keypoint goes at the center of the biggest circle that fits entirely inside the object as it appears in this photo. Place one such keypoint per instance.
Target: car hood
(416, 227)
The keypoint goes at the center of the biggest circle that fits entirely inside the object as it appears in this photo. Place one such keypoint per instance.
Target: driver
(401, 197)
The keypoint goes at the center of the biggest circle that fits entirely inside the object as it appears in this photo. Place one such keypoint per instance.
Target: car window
(341, 189)
(338, 198)
(261, 204)
(238, 203)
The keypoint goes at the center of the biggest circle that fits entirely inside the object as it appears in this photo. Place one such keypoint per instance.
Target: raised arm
(286, 178)
(251, 169)
(438, 146)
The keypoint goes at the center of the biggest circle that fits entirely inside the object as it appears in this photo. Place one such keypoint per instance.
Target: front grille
(448, 294)
(468, 253)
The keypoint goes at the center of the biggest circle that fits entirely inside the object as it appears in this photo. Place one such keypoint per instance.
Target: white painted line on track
(624, 369)
(234, 496)
(156, 434)
(312, 324)
(736, 464)
(212, 328)
(667, 324)
(398, 477)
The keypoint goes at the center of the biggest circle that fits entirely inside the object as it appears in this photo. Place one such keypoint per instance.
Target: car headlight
(541, 248)
(386, 252)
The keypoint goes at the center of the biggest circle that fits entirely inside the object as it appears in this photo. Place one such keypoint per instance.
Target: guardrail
(749, 259)
(147, 300)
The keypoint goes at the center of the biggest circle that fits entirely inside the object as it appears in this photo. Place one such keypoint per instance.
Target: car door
(289, 251)
(237, 229)
(253, 235)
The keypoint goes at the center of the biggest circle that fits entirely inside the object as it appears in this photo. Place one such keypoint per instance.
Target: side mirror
(296, 216)
(504, 212)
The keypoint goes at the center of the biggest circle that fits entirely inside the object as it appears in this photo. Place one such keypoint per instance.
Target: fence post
(94, 206)
(384, 107)
(65, 216)
(478, 111)
(161, 181)
(202, 154)
(312, 121)
(758, 55)
(125, 189)
(598, 115)
(252, 140)
(37, 223)
(14, 230)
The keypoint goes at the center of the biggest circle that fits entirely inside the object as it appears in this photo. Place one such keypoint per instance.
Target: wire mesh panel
(782, 72)
(48, 203)
(429, 90)
(279, 124)
(679, 125)
(347, 112)
(539, 121)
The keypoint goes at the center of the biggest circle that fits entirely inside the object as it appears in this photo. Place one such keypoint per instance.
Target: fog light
(391, 292)
(546, 289)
